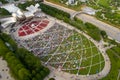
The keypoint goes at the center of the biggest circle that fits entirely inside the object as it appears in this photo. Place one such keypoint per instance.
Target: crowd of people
(62, 48)
(44, 43)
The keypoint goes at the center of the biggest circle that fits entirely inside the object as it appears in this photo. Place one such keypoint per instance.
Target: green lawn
(104, 3)
(79, 53)
(115, 63)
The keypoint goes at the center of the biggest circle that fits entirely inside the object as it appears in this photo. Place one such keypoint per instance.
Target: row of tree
(17, 69)
(38, 72)
(88, 28)
(93, 31)
(23, 64)
(54, 12)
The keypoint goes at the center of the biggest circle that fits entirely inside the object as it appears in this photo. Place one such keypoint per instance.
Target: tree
(7, 38)
(42, 73)
(103, 33)
(3, 48)
(4, 1)
(24, 74)
(38, 77)
(51, 79)
(47, 71)
(32, 63)
(23, 64)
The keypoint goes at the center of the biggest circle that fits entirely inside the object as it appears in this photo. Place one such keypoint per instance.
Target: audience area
(61, 48)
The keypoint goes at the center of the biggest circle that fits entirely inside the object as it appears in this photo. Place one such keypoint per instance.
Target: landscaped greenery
(3, 12)
(51, 79)
(54, 12)
(7, 38)
(112, 17)
(26, 4)
(92, 31)
(103, 34)
(62, 3)
(88, 28)
(32, 63)
(3, 1)
(114, 55)
(3, 48)
(22, 63)
(23, 6)
(107, 9)
(17, 69)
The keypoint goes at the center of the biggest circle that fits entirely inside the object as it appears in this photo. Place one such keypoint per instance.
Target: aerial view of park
(59, 39)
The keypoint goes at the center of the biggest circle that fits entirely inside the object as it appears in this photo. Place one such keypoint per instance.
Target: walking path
(60, 75)
(4, 71)
(111, 31)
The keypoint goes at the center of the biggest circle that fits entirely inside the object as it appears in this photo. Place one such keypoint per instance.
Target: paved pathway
(110, 30)
(4, 71)
(60, 7)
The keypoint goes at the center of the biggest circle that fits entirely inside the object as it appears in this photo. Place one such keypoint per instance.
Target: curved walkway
(111, 31)
(60, 75)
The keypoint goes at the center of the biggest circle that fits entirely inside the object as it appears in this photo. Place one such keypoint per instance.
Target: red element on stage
(32, 27)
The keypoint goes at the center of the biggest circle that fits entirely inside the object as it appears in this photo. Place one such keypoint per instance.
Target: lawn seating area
(66, 50)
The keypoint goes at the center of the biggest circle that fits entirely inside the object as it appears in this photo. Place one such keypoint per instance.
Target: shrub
(3, 12)
(7, 38)
(51, 79)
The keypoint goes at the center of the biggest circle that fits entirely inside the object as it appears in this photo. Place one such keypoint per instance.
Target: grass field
(114, 55)
(76, 55)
